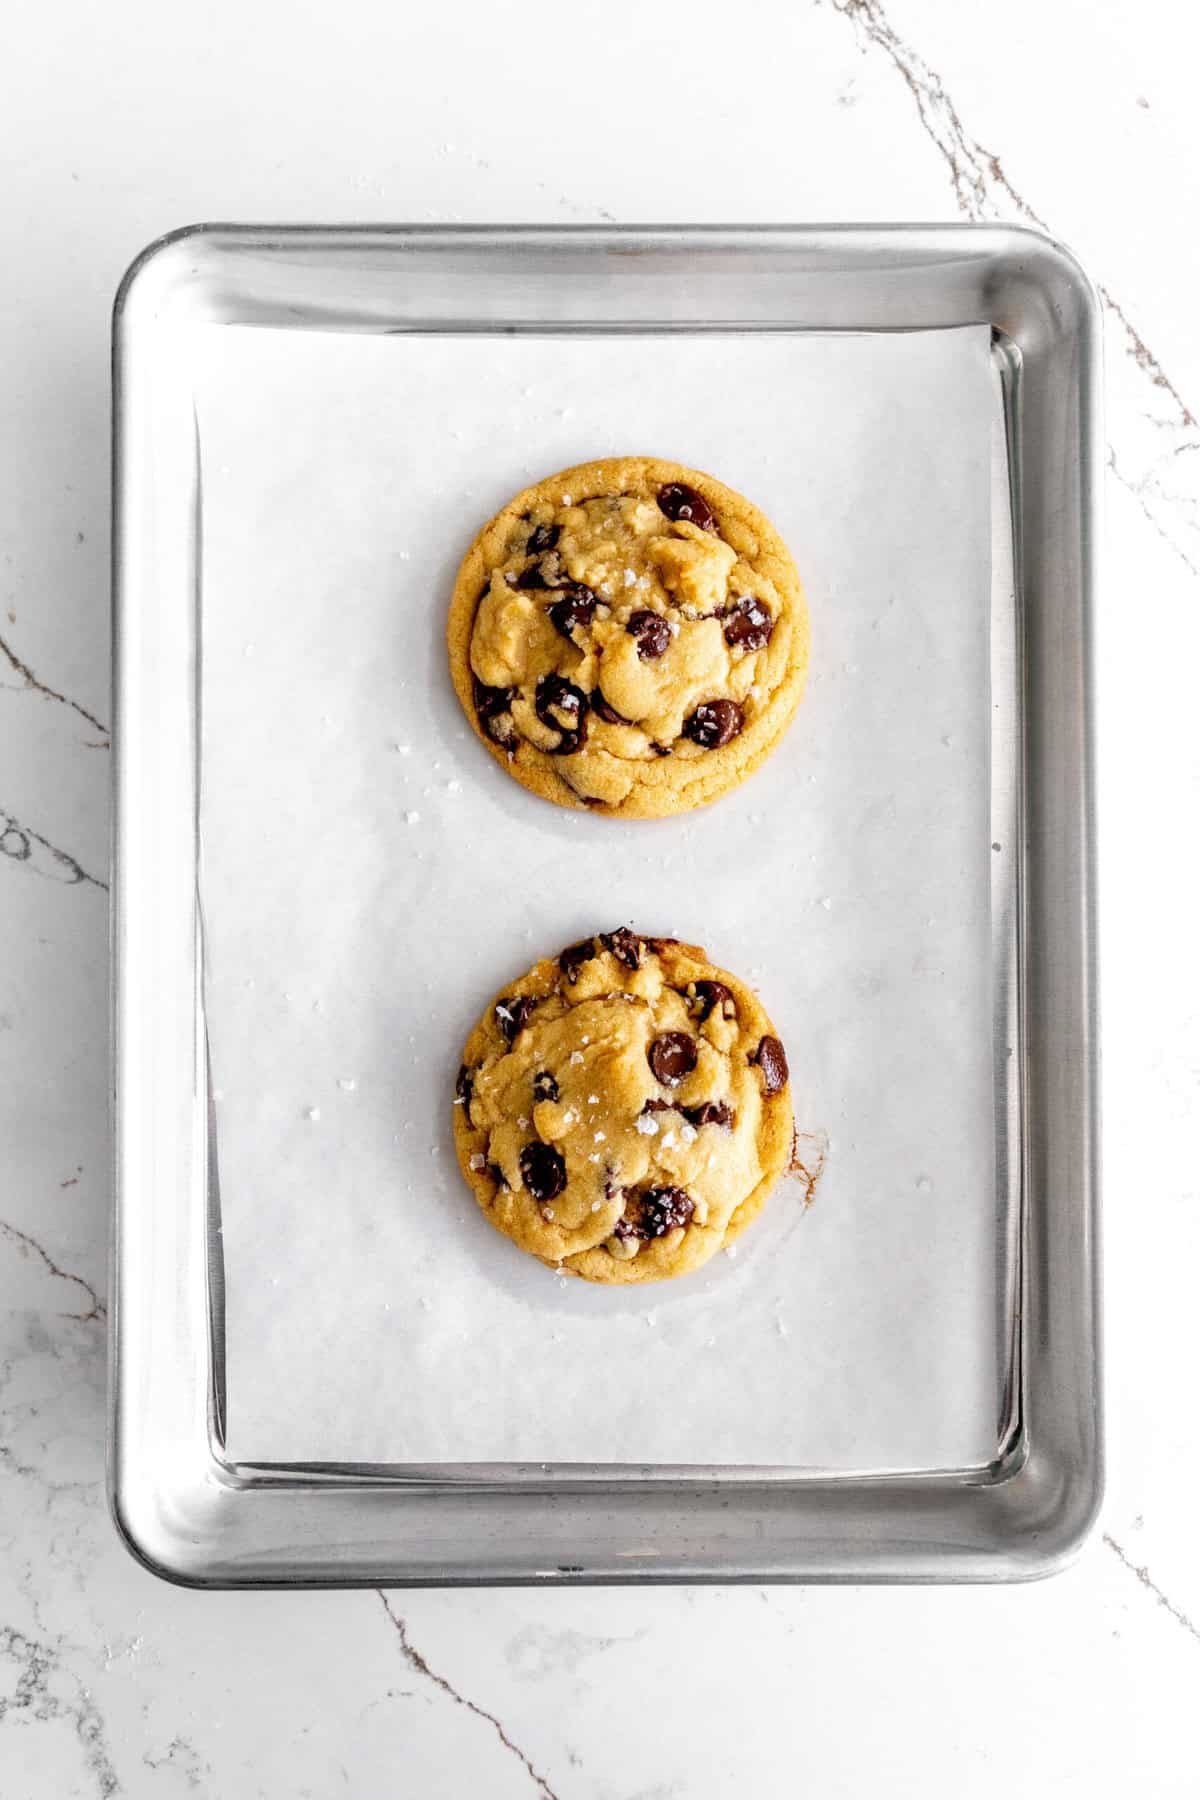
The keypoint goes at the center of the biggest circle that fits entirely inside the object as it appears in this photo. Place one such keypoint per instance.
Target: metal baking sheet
(885, 1336)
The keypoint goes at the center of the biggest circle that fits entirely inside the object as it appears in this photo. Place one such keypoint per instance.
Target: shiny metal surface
(182, 1507)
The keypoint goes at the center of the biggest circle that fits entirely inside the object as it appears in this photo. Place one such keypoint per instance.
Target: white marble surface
(119, 122)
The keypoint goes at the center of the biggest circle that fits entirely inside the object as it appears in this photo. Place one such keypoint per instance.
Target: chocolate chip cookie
(623, 1110)
(630, 636)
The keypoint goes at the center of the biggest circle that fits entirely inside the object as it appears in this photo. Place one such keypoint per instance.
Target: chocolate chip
(544, 1086)
(545, 571)
(714, 723)
(671, 1057)
(575, 608)
(608, 713)
(626, 1228)
(573, 958)
(543, 1170)
(563, 707)
(652, 633)
(542, 537)
(624, 945)
(464, 1087)
(679, 501)
(657, 1106)
(748, 624)
(497, 1174)
(713, 1112)
(713, 994)
(512, 1016)
(664, 1209)
(492, 705)
(661, 749)
(771, 1060)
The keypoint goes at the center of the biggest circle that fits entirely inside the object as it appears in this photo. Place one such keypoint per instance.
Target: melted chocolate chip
(512, 1016)
(657, 1106)
(575, 608)
(563, 707)
(497, 1174)
(608, 713)
(492, 705)
(464, 1087)
(532, 577)
(543, 1170)
(679, 501)
(652, 633)
(713, 994)
(748, 625)
(671, 1057)
(627, 1228)
(572, 959)
(714, 723)
(544, 1086)
(713, 1112)
(624, 945)
(663, 1210)
(542, 537)
(772, 1061)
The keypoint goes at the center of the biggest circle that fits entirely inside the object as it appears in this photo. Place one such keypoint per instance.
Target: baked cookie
(623, 1109)
(630, 636)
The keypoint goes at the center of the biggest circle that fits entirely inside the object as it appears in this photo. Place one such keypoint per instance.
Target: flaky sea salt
(412, 818)
(478, 1160)
(347, 1083)
(688, 1133)
(647, 1126)
(595, 1206)
(577, 1056)
(522, 1121)
(630, 578)
(597, 1137)
(668, 1140)
(593, 1099)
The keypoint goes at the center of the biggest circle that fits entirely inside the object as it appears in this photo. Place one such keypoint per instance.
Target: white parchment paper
(370, 878)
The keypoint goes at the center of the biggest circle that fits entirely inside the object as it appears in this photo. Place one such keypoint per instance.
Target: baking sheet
(371, 1313)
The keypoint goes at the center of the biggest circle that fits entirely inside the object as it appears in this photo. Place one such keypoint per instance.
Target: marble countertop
(121, 123)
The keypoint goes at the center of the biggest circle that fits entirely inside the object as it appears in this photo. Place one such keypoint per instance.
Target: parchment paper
(369, 878)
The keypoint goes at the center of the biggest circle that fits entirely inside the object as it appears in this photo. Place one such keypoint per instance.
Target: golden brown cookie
(630, 636)
(623, 1109)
